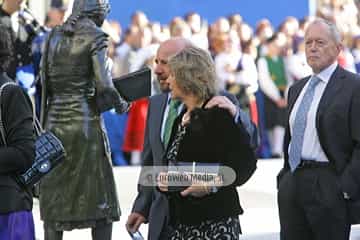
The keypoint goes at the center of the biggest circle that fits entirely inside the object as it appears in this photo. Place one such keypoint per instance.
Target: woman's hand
(222, 102)
(200, 188)
(162, 181)
(197, 189)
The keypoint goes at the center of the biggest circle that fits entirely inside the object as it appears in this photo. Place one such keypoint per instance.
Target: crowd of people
(257, 65)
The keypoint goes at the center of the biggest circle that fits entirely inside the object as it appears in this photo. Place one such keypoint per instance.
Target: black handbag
(49, 151)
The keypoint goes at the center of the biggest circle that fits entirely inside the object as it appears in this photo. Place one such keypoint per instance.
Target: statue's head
(96, 10)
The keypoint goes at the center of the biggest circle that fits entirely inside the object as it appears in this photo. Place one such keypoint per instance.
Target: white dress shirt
(311, 147)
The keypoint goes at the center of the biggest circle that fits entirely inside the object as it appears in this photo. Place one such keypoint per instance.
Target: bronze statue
(77, 87)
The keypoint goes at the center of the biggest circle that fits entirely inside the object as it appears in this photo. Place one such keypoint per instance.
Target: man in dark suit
(320, 177)
(150, 205)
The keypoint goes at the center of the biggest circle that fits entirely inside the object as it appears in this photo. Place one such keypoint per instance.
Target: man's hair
(333, 30)
(194, 72)
(6, 48)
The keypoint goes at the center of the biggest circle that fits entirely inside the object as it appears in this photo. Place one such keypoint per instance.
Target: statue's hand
(121, 106)
(109, 98)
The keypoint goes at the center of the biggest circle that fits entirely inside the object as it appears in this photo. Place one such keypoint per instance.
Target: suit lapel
(296, 92)
(334, 85)
(159, 111)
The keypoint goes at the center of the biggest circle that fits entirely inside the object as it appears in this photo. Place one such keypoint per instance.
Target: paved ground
(258, 197)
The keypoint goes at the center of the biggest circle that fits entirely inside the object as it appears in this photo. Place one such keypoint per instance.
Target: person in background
(356, 52)
(263, 31)
(198, 30)
(346, 59)
(23, 28)
(7, 9)
(114, 123)
(54, 17)
(126, 51)
(273, 82)
(180, 28)
(296, 63)
(139, 19)
(16, 155)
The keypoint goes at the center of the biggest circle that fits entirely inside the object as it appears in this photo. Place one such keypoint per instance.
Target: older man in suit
(320, 179)
(150, 205)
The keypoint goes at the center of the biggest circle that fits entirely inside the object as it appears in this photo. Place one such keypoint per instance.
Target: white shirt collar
(168, 98)
(326, 74)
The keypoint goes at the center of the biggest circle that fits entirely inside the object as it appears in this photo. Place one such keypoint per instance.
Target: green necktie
(172, 114)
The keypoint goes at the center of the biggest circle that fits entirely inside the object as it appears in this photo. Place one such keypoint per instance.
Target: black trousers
(312, 206)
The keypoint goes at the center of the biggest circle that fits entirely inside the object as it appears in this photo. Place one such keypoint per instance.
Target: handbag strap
(38, 129)
(37, 125)
(2, 128)
(36, 122)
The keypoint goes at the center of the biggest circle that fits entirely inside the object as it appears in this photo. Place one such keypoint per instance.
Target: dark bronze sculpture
(77, 86)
